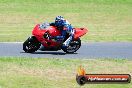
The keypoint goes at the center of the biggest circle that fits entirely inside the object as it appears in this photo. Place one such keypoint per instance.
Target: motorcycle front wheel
(31, 45)
(73, 46)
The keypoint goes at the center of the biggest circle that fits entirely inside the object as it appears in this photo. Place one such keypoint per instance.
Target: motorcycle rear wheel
(31, 45)
(73, 46)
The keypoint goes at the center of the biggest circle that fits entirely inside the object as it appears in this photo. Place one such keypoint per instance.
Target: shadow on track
(52, 53)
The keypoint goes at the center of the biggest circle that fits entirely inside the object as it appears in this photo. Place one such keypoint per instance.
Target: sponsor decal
(83, 78)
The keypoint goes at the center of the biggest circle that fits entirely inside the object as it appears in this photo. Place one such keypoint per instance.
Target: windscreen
(44, 26)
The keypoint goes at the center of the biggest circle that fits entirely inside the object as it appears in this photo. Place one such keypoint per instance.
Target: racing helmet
(59, 21)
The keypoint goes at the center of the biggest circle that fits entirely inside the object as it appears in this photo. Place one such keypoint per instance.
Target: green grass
(57, 73)
(107, 20)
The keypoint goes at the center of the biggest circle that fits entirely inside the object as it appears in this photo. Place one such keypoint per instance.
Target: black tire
(31, 45)
(73, 46)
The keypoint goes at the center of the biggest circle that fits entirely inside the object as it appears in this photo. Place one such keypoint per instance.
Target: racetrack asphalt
(120, 50)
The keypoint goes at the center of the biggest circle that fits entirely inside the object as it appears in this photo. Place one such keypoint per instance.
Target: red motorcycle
(41, 36)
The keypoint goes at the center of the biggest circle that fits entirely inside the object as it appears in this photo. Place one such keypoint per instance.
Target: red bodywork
(39, 34)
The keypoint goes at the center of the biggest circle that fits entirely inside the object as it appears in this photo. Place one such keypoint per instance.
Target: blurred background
(106, 20)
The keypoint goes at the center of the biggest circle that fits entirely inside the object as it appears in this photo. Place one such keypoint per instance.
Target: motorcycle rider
(65, 28)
